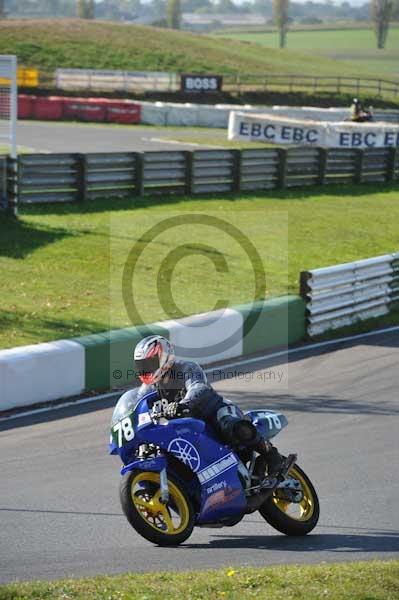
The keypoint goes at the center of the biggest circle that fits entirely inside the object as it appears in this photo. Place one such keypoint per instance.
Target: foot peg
(271, 482)
(268, 483)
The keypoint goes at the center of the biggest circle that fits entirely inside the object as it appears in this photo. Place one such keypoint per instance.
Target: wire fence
(237, 83)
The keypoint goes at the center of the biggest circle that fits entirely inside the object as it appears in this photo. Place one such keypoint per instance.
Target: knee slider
(239, 432)
(245, 432)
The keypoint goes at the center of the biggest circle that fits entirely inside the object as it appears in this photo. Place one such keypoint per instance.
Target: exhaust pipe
(255, 502)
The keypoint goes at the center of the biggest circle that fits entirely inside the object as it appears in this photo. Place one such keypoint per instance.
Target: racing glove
(172, 411)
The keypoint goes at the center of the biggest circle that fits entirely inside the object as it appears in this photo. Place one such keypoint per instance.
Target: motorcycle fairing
(155, 465)
(193, 443)
(268, 422)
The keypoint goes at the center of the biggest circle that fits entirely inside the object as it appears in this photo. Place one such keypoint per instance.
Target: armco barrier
(102, 361)
(80, 177)
(345, 294)
(3, 185)
(48, 178)
(8, 178)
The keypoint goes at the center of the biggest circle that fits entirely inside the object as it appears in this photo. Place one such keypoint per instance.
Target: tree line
(169, 12)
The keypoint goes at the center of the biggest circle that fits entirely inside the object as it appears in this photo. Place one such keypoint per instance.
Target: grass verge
(62, 266)
(355, 46)
(374, 580)
(51, 44)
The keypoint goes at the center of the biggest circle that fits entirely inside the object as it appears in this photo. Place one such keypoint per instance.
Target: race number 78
(125, 430)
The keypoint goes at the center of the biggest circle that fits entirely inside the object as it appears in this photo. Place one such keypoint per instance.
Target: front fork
(163, 476)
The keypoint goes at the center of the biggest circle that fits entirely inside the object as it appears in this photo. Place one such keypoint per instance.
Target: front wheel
(293, 518)
(163, 524)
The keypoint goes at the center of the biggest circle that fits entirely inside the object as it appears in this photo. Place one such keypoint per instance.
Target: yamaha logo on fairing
(186, 452)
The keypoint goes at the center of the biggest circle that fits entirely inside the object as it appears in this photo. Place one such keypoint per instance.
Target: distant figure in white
(359, 114)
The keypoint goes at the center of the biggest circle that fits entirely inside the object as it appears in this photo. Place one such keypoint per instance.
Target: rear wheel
(293, 518)
(167, 524)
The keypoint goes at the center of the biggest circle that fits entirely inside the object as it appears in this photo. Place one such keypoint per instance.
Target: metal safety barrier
(8, 186)
(345, 294)
(83, 177)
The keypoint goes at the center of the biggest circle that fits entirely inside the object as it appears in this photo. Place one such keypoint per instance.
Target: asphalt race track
(59, 506)
(33, 136)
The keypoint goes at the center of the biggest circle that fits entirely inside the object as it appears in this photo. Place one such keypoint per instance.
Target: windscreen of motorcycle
(125, 406)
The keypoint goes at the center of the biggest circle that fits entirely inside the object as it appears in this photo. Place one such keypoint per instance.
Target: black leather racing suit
(186, 383)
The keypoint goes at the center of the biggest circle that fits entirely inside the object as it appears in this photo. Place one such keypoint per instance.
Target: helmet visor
(147, 366)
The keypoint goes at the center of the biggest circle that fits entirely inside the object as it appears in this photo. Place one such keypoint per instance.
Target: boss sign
(201, 83)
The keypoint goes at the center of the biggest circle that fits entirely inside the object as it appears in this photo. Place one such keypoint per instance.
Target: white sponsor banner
(273, 129)
(115, 80)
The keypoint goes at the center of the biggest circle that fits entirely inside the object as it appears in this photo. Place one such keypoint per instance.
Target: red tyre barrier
(84, 109)
(49, 109)
(123, 111)
(56, 108)
(25, 106)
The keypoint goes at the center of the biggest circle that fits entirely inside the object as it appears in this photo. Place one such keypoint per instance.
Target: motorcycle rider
(183, 388)
(358, 113)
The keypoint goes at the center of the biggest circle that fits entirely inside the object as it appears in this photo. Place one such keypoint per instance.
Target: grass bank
(51, 44)
(62, 266)
(374, 580)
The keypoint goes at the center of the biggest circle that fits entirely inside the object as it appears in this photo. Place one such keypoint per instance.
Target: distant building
(206, 21)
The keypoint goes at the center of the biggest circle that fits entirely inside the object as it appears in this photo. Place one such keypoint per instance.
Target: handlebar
(160, 413)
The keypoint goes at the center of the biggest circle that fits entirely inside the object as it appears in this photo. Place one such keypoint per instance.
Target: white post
(9, 102)
(14, 106)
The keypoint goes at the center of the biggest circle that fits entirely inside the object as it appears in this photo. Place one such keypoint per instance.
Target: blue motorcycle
(177, 475)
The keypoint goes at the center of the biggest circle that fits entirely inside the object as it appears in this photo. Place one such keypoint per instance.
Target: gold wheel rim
(306, 506)
(169, 519)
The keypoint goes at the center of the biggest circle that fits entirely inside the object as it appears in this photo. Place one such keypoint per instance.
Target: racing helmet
(153, 357)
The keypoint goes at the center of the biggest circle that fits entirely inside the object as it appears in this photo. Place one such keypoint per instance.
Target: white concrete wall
(205, 115)
(205, 338)
(39, 373)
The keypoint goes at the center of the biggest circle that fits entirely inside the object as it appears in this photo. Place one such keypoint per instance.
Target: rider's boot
(268, 457)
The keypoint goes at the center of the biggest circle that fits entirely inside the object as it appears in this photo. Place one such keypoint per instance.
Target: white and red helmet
(153, 357)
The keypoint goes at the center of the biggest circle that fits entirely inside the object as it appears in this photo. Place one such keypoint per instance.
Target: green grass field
(373, 580)
(351, 46)
(62, 266)
(103, 45)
